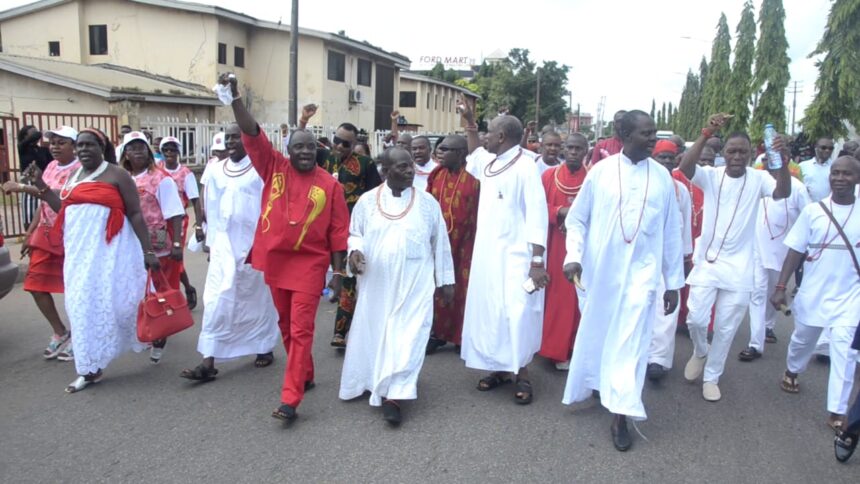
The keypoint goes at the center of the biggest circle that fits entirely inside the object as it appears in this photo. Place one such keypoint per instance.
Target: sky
(629, 52)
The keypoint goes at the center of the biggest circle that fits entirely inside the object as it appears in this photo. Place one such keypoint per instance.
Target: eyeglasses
(340, 141)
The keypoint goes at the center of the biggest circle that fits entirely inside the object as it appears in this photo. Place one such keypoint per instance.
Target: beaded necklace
(621, 199)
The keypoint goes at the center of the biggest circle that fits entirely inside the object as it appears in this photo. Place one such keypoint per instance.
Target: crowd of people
(508, 243)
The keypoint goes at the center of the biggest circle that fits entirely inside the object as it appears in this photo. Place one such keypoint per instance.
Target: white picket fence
(196, 136)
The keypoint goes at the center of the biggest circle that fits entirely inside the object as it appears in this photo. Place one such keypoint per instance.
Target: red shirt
(697, 197)
(606, 148)
(303, 220)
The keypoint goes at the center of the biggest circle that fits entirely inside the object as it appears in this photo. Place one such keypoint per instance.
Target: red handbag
(161, 313)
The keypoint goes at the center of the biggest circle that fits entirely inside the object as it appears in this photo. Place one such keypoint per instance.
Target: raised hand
(309, 110)
(717, 121)
(467, 111)
(395, 115)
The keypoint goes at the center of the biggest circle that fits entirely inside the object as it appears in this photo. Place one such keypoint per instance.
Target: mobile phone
(529, 286)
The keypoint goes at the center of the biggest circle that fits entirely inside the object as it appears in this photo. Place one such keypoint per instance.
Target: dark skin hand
(670, 297)
(467, 112)
(338, 261)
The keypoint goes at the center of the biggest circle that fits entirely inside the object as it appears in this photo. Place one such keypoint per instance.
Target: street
(143, 423)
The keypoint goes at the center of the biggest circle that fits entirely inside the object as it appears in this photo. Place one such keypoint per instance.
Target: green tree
(701, 108)
(439, 72)
(653, 108)
(771, 69)
(670, 117)
(719, 71)
(687, 118)
(740, 85)
(837, 90)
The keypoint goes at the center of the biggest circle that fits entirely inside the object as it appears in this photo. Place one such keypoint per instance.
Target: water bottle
(774, 158)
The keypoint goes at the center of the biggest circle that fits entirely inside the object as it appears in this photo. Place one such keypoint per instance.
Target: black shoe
(769, 336)
(655, 372)
(843, 446)
(824, 359)
(749, 354)
(285, 412)
(391, 412)
(434, 344)
(621, 437)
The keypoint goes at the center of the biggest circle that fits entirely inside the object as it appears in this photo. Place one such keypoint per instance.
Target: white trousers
(730, 307)
(762, 312)
(843, 360)
(662, 348)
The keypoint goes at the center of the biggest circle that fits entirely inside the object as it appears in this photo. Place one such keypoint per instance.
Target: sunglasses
(342, 142)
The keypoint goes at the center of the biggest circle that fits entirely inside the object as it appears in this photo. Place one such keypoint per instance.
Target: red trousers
(296, 314)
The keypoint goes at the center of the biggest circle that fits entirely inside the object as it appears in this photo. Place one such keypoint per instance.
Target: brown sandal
(789, 383)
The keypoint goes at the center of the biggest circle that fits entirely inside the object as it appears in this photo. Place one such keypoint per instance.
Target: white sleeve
(441, 246)
(798, 237)
(168, 199)
(475, 162)
(578, 220)
(357, 222)
(768, 184)
(673, 261)
(702, 178)
(686, 223)
(537, 218)
(191, 190)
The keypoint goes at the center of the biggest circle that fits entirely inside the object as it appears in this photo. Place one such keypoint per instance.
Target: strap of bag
(844, 237)
(155, 276)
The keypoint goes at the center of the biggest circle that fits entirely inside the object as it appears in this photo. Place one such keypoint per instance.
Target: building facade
(430, 103)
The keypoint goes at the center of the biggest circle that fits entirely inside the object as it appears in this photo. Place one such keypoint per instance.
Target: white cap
(218, 142)
(65, 132)
(134, 136)
(170, 139)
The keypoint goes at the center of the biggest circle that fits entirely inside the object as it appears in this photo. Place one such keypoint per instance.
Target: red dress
(561, 309)
(457, 195)
(45, 273)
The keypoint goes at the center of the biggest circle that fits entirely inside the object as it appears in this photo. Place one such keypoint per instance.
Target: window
(222, 53)
(407, 99)
(54, 48)
(428, 100)
(336, 66)
(436, 101)
(238, 56)
(98, 40)
(444, 102)
(365, 67)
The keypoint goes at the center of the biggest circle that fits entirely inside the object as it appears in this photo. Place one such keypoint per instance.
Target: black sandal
(201, 373)
(191, 298)
(523, 394)
(264, 359)
(493, 380)
(391, 412)
(844, 446)
(285, 412)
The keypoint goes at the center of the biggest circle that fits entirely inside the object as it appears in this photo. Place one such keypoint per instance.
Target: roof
(497, 54)
(413, 76)
(398, 60)
(109, 81)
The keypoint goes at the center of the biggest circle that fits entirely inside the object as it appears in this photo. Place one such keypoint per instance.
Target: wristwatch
(537, 260)
(177, 245)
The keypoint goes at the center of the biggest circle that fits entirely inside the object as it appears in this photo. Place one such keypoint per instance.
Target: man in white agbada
(662, 350)
(399, 248)
(503, 322)
(239, 317)
(723, 271)
(774, 220)
(623, 238)
(830, 295)
(422, 155)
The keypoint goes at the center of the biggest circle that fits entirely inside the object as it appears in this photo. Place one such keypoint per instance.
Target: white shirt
(190, 188)
(724, 253)
(775, 219)
(542, 166)
(422, 173)
(816, 177)
(830, 293)
(167, 195)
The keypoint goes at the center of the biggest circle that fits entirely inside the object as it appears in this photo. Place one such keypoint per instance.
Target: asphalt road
(145, 424)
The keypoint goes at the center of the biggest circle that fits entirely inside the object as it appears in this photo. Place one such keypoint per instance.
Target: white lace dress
(104, 285)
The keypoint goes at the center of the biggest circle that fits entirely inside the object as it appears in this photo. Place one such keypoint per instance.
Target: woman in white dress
(107, 248)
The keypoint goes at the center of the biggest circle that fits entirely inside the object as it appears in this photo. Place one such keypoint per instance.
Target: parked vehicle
(8, 270)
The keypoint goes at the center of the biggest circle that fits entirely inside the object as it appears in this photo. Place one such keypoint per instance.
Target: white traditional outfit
(542, 166)
(774, 220)
(623, 228)
(407, 258)
(503, 324)
(239, 317)
(103, 272)
(662, 350)
(723, 274)
(422, 173)
(829, 296)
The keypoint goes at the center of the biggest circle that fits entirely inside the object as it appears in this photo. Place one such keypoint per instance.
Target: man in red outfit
(561, 309)
(609, 146)
(304, 225)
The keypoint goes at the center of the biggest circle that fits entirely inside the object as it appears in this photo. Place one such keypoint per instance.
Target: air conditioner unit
(355, 96)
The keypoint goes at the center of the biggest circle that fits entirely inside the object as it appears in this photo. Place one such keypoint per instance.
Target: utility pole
(294, 64)
(794, 91)
(537, 102)
(578, 119)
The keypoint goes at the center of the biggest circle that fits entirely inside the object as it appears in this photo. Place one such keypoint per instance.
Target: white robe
(503, 324)
(621, 279)
(406, 260)
(239, 317)
(104, 285)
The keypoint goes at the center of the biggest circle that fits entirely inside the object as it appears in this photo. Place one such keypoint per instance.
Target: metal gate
(11, 221)
(44, 121)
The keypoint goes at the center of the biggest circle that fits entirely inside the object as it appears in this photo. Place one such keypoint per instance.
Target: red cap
(664, 145)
